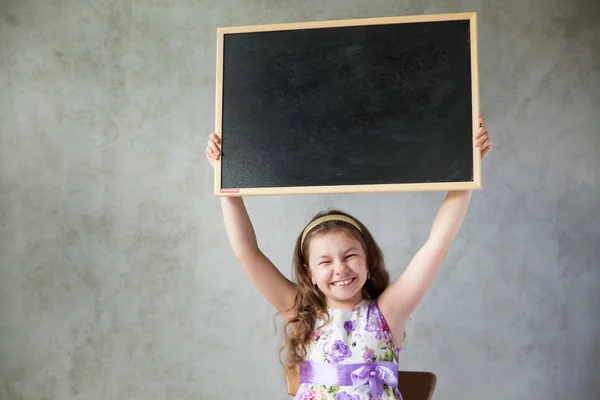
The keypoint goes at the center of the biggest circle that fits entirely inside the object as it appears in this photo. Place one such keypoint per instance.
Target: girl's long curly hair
(310, 303)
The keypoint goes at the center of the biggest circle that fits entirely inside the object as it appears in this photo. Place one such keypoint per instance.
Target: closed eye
(350, 255)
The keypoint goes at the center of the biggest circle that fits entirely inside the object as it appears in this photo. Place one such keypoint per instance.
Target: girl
(344, 322)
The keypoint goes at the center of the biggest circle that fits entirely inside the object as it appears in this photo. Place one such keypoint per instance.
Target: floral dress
(352, 336)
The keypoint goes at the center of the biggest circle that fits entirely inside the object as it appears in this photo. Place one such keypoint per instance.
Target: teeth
(343, 283)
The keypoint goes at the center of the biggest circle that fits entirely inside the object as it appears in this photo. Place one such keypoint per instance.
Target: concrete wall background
(116, 280)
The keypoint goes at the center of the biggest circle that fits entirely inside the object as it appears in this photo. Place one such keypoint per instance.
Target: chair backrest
(416, 385)
(413, 385)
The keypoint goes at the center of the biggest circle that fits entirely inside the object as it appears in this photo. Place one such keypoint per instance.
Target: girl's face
(337, 263)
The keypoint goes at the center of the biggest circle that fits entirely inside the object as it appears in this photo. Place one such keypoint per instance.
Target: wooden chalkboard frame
(401, 187)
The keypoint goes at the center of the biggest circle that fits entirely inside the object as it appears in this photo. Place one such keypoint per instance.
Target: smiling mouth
(344, 282)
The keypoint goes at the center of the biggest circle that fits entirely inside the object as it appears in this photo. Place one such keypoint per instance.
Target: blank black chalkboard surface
(362, 105)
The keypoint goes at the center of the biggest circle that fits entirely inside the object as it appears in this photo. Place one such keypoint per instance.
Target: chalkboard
(363, 105)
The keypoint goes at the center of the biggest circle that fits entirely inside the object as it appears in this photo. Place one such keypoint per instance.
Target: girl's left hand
(482, 139)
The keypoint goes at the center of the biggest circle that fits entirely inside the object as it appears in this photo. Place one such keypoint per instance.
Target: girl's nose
(340, 267)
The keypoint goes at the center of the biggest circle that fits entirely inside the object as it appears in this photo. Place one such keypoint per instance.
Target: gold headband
(332, 217)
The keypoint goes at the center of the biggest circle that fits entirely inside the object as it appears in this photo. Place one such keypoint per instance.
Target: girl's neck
(345, 304)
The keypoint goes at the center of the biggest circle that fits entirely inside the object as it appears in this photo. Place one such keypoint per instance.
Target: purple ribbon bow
(375, 376)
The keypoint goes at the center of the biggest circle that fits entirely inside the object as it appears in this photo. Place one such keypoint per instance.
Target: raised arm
(399, 300)
(269, 281)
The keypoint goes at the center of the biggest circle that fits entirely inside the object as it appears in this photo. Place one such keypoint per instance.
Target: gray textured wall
(116, 280)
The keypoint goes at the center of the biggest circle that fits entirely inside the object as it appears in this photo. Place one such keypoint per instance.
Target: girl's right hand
(213, 149)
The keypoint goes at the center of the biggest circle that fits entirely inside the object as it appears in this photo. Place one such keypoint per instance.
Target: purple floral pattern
(346, 396)
(369, 354)
(357, 335)
(349, 326)
(336, 351)
(307, 395)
